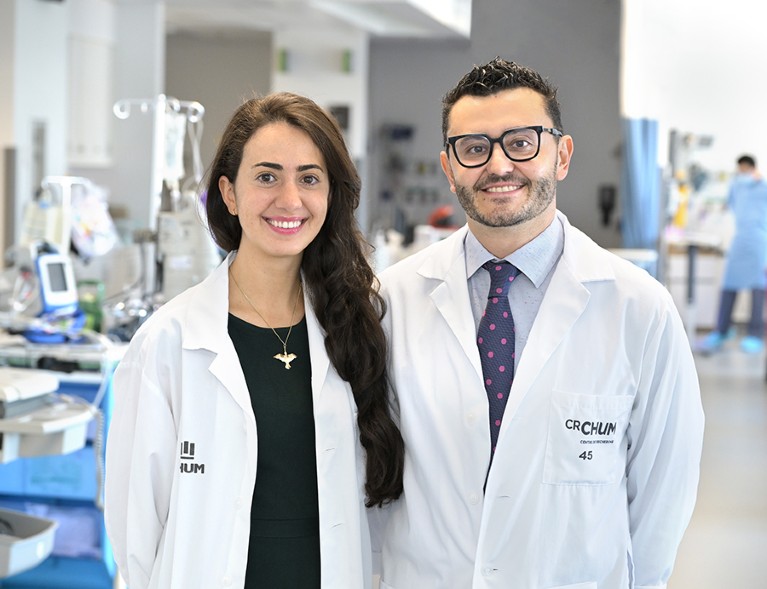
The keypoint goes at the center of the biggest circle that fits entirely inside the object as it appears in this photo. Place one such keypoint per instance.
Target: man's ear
(445, 161)
(564, 156)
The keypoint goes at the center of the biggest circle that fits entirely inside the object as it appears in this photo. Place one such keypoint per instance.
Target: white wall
(699, 70)
(7, 74)
(219, 73)
(575, 44)
(139, 73)
(90, 83)
(39, 93)
(7, 63)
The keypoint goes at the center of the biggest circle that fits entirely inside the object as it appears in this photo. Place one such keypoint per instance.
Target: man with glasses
(546, 389)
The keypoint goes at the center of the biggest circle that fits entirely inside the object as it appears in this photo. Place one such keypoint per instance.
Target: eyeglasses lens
(518, 144)
(521, 144)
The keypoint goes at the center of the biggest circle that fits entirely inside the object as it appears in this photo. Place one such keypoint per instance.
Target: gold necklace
(284, 357)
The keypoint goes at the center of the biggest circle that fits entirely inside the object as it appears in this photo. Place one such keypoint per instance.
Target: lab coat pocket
(576, 586)
(586, 442)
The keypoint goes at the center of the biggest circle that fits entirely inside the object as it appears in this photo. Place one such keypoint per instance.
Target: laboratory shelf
(64, 488)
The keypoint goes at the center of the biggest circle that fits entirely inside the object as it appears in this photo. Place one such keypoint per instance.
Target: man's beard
(540, 194)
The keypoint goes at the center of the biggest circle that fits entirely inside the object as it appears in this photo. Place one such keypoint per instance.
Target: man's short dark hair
(496, 76)
(747, 160)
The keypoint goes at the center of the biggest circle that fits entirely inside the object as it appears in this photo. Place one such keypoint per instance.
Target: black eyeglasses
(520, 145)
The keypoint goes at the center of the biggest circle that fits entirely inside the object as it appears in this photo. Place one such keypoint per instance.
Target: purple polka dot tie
(495, 340)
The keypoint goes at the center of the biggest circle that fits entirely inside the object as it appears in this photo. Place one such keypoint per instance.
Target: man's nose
(499, 163)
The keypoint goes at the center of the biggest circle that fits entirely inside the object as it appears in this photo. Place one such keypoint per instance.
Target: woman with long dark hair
(252, 422)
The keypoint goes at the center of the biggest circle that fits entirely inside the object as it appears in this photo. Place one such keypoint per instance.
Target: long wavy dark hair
(342, 286)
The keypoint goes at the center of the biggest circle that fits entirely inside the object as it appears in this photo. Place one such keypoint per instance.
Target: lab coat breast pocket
(586, 442)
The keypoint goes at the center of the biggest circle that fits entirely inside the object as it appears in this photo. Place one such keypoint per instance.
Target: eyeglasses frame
(493, 140)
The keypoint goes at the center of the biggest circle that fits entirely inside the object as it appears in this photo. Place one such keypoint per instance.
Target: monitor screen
(57, 276)
(58, 289)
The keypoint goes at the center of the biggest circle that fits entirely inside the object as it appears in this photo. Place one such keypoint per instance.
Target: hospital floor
(724, 547)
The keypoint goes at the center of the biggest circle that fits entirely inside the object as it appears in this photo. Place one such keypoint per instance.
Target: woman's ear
(227, 193)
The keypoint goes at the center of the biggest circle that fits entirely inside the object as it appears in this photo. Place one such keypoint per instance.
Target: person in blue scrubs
(746, 259)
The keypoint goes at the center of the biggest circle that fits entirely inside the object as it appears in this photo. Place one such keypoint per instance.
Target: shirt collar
(535, 259)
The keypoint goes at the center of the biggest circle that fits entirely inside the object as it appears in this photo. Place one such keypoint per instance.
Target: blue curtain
(640, 184)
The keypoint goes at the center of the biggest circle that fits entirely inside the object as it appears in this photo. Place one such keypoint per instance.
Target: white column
(139, 73)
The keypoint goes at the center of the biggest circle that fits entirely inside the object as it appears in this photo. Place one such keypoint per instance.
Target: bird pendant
(286, 359)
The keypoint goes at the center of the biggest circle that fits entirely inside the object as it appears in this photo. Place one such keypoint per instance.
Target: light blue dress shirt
(535, 260)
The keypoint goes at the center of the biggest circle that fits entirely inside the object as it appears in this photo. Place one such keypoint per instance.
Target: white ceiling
(430, 19)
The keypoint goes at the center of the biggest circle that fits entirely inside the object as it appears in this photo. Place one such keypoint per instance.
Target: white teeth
(501, 188)
(285, 224)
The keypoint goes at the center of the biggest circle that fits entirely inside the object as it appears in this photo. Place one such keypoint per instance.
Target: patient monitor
(58, 290)
(60, 318)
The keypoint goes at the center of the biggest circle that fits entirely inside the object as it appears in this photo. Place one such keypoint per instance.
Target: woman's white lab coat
(596, 469)
(182, 451)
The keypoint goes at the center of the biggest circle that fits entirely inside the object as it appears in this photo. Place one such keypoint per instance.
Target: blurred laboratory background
(111, 111)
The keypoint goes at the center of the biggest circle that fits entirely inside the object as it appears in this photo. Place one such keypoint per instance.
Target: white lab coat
(181, 381)
(597, 506)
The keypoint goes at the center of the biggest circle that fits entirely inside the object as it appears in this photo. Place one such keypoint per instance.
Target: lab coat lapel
(227, 369)
(565, 301)
(207, 329)
(319, 357)
(450, 294)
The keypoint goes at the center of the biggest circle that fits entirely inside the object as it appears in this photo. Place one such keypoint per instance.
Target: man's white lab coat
(595, 474)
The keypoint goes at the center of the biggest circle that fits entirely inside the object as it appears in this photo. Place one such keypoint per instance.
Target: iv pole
(158, 107)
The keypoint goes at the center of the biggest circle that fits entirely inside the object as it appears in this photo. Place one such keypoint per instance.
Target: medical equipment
(67, 489)
(34, 421)
(44, 303)
(68, 215)
(58, 292)
(24, 541)
(49, 217)
(184, 250)
(23, 392)
(170, 118)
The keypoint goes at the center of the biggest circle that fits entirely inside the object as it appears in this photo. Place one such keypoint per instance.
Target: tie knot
(502, 274)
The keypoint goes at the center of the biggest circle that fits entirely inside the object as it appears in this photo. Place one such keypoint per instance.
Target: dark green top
(284, 546)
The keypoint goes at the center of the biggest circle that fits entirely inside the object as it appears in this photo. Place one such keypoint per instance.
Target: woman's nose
(289, 197)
